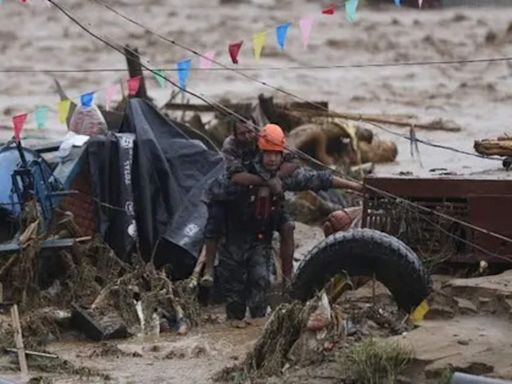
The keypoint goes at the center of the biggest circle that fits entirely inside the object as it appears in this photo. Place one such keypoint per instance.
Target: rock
(465, 306)
(439, 312)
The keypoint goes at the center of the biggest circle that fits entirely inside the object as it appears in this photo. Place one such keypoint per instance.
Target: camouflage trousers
(244, 271)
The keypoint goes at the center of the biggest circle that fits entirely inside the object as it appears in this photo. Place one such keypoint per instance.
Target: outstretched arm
(306, 179)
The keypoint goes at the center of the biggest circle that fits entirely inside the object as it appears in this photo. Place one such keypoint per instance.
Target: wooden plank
(18, 338)
(33, 353)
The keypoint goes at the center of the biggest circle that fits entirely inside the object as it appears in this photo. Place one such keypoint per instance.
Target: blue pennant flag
(397, 3)
(183, 71)
(86, 99)
(281, 31)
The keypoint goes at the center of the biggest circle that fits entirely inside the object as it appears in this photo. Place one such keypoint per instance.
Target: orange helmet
(271, 138)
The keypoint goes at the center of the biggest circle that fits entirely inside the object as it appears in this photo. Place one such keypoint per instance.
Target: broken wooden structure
(485, 204)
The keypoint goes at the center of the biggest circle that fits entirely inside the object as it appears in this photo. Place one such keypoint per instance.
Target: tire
(364, 252)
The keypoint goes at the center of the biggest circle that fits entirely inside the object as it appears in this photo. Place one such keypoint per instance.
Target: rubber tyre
(364, 252)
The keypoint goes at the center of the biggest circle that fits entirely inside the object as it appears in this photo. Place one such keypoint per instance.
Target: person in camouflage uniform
(239, 150)
(254, 204)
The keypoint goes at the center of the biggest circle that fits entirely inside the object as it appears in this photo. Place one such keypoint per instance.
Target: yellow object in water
(419, 313)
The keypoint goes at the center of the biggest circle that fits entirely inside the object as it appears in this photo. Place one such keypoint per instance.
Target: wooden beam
(18, 338)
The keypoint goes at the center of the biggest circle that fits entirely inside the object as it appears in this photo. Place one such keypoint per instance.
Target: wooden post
(135, 69)
(18, 338)
(1, 293)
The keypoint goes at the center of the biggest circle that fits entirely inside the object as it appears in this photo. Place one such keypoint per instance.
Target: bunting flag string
(183, 67)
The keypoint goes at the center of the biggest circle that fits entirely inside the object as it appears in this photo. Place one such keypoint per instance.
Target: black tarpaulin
(169, 174)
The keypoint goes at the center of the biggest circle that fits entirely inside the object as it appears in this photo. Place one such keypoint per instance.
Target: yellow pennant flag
(258, 41)
(419, 313)
(63, 107)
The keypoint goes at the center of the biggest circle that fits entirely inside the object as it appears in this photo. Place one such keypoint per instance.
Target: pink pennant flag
(112, 91)
(234, 50)
(420, 3)
(206, 60)
(133, 85)
(18, 121)
(329, 10)
(306, 24)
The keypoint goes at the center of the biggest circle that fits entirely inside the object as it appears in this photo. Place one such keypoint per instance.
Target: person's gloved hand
(276, 186)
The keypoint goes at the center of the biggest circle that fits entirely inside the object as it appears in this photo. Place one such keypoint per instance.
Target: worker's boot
(209, 265)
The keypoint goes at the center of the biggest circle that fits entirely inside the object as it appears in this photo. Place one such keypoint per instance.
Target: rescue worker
(254, 206)
(239, 150)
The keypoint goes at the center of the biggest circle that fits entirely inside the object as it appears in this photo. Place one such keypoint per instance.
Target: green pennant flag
(41, 116)
(160, 77)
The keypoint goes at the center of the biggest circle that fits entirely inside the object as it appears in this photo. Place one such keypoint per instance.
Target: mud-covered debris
(97, 326)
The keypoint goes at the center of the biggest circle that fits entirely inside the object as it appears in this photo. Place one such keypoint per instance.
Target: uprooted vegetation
(49, 286)
(374, 362)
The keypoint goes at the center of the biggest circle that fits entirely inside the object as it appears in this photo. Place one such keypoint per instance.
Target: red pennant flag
(234, 50)
(18, 121)
(133, 85)
(329, 10)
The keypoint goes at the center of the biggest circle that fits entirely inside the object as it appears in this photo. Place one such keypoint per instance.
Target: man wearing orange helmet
(252, 213)
(239, 149)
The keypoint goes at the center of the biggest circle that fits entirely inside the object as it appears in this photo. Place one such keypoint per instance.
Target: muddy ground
(467, 329)
(474, 336)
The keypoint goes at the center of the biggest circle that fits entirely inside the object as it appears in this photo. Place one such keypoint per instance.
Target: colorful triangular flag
(306, 24)
(330, 10)
(18, 121)
(112, 91)
(397, 3)
(206, 60)
(281, 31)
(133, 85)
(41, 116)
(87, 99)
(258, 41)
(234, 51)
(159, 76)
(351, 9)
(63, 108)
(183, 71)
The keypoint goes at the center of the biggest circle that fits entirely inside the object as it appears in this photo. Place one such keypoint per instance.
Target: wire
(277, 68)
(434, 145)
(303, 154)
(297, 97)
